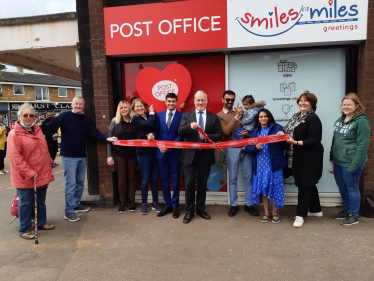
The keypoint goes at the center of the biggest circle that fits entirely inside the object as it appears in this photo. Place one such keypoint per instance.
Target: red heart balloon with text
(153, 85)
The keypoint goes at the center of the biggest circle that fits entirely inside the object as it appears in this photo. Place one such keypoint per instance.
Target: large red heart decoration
(153, 85)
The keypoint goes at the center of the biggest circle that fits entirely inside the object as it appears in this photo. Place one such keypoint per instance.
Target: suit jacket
(142, 128)
(171, 134)
(212, 129)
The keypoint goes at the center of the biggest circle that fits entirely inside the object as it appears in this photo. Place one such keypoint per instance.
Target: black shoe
(121, 208)
(233, 211)
(165, 211)
(81, 208)
(252, 211)
(187, 218)
(132, 207)
(175, 212)
(203, 214)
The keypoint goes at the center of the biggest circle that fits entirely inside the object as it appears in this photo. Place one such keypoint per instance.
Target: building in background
(45, 93)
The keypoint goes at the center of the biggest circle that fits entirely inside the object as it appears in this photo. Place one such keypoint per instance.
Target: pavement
(105, 245)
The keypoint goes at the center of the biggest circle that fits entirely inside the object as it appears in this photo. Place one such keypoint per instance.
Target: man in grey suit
(197, 162)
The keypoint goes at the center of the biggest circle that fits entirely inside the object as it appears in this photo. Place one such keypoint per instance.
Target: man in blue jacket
(167, 123)
(75, 129)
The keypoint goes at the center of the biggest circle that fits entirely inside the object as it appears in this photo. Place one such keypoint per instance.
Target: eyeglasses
(230, 100)
(28, 115)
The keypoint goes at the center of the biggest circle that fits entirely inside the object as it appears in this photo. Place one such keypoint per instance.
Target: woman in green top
(350, 144)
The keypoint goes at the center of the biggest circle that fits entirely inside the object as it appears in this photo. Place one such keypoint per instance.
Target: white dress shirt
(198, 117)
(167, 115)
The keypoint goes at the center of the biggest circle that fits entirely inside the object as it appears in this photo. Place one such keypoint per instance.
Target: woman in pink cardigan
(29, 159)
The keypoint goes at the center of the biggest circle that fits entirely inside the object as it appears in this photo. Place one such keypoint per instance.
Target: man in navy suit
(167, 123)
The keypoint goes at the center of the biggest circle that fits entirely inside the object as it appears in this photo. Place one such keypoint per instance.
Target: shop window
(279, 78)
(41, 93)
(19, 90)
(62, 92)
(78, 92)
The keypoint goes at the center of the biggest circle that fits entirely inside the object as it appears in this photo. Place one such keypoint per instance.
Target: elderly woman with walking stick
(30, 163)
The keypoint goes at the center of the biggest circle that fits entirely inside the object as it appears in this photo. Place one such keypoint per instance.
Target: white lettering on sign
(114, 28)
(162, 88)
(203, 24)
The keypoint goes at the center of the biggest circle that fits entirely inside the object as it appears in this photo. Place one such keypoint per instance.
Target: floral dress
(267, 182)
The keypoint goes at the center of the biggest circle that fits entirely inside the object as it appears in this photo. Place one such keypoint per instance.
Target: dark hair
(311, 98)
(270, 118)
(172, 96)
(228, 92)
(249, 99)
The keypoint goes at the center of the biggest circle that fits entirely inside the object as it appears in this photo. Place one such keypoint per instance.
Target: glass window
(279, 78)
(78, 92)
(19, 90)
(41, 93)
(62, 92)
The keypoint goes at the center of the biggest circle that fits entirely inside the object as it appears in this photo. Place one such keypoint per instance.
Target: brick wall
(366, 93)
(9, 93)
(102, 91)
(53, 95)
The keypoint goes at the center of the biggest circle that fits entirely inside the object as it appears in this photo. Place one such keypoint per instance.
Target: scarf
(289, 129)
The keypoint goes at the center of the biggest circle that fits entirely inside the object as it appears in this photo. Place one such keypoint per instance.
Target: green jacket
(350, 142)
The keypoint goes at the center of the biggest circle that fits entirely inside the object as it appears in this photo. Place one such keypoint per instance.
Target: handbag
(368, 205)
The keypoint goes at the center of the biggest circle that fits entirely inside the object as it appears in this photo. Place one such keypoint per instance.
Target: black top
(142, 128)
(124, 131)
(307, 163)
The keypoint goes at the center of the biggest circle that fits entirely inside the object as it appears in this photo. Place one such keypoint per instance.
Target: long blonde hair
(118, 117)
(133, 113)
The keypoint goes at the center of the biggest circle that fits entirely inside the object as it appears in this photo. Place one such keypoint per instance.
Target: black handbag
(368, 205)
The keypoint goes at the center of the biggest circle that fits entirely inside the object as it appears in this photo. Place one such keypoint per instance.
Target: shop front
(41, 108)
(273, 51)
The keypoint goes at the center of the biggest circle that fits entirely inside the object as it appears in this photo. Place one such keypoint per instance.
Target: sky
(28, 8)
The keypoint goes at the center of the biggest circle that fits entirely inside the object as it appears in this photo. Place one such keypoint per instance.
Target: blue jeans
(74, 174)
(149, 169)
(348, 186)
(26, 205)
(235, 158)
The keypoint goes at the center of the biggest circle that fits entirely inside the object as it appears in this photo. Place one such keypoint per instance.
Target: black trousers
(308, 200)
(194, 171)
(53, 148)
(2, 157)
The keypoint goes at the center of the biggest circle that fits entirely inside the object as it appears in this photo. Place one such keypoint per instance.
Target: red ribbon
(197, 145)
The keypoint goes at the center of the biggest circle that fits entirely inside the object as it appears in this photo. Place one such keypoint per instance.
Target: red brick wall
(366, 92)
(102, 84)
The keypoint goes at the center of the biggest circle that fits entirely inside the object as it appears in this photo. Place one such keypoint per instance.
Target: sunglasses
(28, 115)
(230, 100)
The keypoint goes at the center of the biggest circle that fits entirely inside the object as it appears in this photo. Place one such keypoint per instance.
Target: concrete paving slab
(106, 245)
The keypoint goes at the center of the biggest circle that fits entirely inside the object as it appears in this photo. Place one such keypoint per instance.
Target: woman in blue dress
(267, 163)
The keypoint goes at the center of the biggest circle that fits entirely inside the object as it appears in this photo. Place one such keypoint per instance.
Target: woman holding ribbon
(267, 163)
(350, 144)
(123, 158)
(305, 156)
(143, 123)
(29, 161)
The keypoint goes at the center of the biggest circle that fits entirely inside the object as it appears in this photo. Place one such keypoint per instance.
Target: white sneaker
(319, 214)
(1, 173)
(299, 221)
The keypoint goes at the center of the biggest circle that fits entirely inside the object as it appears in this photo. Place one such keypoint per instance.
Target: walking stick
(36, 211)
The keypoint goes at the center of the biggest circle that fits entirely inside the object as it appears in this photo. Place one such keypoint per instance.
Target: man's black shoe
(187, 218)
(203, 214)
(165, 211)
(252, 211)
(233, 211)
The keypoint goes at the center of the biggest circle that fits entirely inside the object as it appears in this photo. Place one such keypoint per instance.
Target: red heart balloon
(153, 85)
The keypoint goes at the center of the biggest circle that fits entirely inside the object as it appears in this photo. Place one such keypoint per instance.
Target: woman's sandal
(265, 218)
(28, 235)
(277, 220)
(47, 226)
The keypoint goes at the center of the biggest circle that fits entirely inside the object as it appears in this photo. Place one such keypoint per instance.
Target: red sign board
(166, 27)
